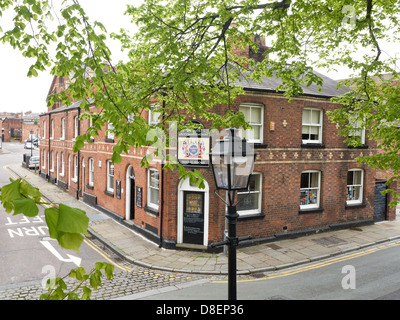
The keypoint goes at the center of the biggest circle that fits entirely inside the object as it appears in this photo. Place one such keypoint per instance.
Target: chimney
(248, 52)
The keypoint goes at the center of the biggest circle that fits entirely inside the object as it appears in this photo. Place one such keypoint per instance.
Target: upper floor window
(154, 116)
(52, 129)
(110, 133)
(249, 202)
(254, 115)
(355, 179)
(62, 128)
(152, 188)
(44, 129)
(311, 131)
(76, 126)
(310, 187)
(357, 132)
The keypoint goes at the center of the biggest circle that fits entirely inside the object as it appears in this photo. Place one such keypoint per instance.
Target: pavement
(276, 255)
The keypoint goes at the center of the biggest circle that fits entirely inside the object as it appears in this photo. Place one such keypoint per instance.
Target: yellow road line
(89, 243)
(318, 265)
(94, 247)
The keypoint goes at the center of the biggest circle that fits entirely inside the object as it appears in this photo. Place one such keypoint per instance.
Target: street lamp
(232, 160)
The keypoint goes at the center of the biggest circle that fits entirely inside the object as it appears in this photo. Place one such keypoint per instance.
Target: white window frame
(151, 189)
(312, 205)
(110, 188)
(153, 114)
(44, 129)
(52, 161)
(75, 177)
(62, 129)
(358, 130)
(52, 129)
(249, 133)
(62, 165)
(259, 191)
(91, 172)
(110, 135)
(361, 186)
(44, 160)
(76, 124)
(319, 126)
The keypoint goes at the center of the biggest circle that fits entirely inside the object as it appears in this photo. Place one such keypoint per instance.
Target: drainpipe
(79, 160)
(162, 192)
(48, 153)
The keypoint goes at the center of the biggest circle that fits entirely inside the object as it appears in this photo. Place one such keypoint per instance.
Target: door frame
(184, 185)
(130, 175)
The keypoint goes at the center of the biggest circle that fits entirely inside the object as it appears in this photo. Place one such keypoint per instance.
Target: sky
(18, 93)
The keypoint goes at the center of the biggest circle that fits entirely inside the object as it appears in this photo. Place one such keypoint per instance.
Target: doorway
(130, 194)
(192, 217)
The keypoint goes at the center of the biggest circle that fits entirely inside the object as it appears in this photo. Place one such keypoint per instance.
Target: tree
(181, 59)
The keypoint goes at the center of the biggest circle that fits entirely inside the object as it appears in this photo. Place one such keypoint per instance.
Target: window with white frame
(310, 187)
(75, 168)
(311, 131)
(44, 159)
(154, 116)
(153, 188)
(254, 115)
(52, 129)
(76, 124)
(91, 172)
(110, 134)
(62, 128)
(249, 202)
(355, 179)
(62, 164)
(110, 176)
(52, 161)
(44, 129)
(357, 132)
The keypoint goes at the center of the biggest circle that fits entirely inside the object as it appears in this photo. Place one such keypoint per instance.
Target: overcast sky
(20, 93)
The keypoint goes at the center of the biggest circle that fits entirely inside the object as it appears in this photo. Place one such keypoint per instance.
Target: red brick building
(306, 179)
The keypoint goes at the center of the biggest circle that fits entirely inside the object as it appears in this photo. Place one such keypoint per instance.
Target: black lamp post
(232, 161)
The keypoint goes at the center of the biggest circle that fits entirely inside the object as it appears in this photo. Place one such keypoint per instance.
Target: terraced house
(305, 179)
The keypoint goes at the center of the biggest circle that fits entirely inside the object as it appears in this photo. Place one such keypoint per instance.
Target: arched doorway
(130, 194)
(193, 207)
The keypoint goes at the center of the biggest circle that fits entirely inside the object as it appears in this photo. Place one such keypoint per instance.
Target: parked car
(28, 145)
(33, 162)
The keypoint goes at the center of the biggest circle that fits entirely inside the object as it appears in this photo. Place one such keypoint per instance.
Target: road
(372, 274)
(29, 257)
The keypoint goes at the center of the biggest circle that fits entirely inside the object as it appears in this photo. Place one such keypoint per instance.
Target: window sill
(311, 210)
(90, 187)
(250, 216)
(74, 180)
(313, 145)
(355, 205)
(109, 140)
(258, 145)
(151, 210)
(364, 146)
(109, 193)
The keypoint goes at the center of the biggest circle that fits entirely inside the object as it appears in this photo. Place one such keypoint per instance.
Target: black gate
(380, 203)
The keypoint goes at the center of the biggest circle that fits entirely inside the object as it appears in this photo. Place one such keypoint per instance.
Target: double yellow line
(318, 265)
(88, 242)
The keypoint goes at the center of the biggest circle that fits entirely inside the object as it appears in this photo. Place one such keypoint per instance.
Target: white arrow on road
(53, 250)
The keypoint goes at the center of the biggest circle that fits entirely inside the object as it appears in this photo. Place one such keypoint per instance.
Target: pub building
(305, 177)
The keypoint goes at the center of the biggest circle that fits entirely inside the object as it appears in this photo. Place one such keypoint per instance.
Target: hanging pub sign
(194, 148)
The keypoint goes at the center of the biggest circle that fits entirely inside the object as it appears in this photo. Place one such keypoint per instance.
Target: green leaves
(58, 289)
(67, 225)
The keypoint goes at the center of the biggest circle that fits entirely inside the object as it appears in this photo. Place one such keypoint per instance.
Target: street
(29, 257)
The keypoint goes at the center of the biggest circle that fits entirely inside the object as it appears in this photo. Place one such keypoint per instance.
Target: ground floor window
(249, 202)
(110, 176)
(310, 189)
(153, 187)
(354, 186)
